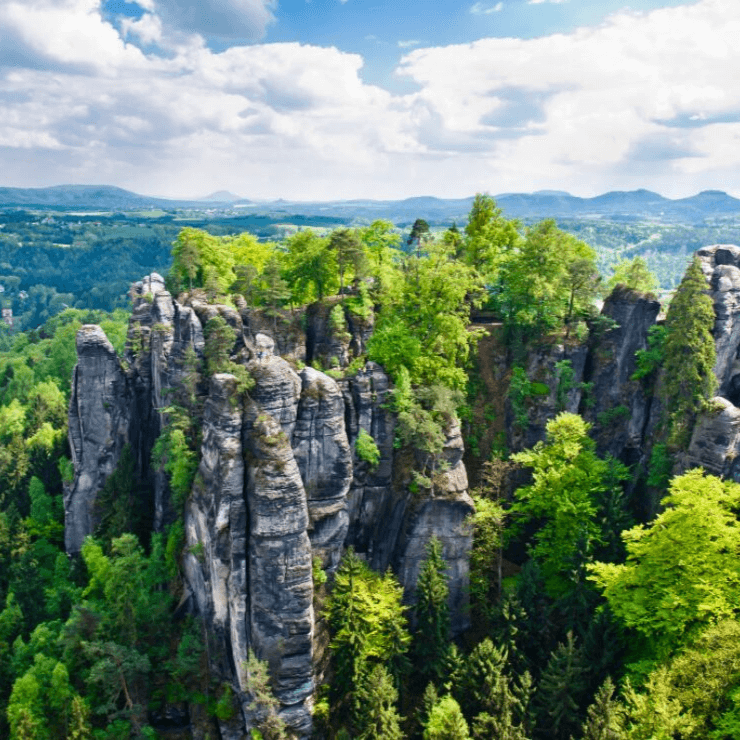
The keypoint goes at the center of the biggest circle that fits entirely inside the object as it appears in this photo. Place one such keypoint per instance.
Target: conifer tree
(604, 716)
(432, 613)
(560, 690)
(446, 721)
(690, 354)
(376, 717)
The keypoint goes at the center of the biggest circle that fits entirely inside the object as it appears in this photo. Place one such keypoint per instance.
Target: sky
(343, 99)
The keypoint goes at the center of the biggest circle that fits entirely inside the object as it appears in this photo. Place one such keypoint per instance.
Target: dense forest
(51, 259)
(592, 614)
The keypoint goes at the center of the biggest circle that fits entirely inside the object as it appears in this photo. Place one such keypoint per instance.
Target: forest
(52, 259)
(592, 615)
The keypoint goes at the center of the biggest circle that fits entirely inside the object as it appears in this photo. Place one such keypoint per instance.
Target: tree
(688, 380)
(547, 280)
(682, 570)
(350, 253)
(446, 721)
(489, 237)
(634, 274)
(431, 639)
(312, 266)
(275, 291)
(568, 482)
(604, 716)
(220, 338)
(418, 235)
(560, 690)
(263, 702)
(376, 717)
(368, 625)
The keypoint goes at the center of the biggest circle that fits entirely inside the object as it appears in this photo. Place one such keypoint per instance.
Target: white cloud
(486, 9)
(642, 100)
(410, 43)
(541, 2)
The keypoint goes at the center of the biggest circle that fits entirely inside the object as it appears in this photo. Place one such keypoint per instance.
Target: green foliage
(368, 625)
(220, 339)
(521, 389)
(549, 281)
(489, 237)
(689, 381)
(563, 499)
(173, 454)
(366, 449)
(376, 717)
(650, 359)
(431, 639)
(446, 721)
(682, 571)
(605, 716)
(561, 689)
(635, 274)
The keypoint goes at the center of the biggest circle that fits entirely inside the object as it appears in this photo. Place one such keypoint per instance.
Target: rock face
(99, 421)
(279, 483)
(620, 407)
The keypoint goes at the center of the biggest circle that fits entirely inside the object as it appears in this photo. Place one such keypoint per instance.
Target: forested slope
(268, 526)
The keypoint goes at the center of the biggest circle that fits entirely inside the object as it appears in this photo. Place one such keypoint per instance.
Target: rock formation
(279, 485)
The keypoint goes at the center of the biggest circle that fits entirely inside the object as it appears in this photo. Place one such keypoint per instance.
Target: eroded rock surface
(279, 480)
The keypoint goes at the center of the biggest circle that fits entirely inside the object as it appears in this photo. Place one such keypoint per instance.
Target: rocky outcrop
(279, 480)
(324, 458)
(619, 407)
(99, 425)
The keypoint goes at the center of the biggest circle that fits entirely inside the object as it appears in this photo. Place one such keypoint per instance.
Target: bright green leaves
(634, 274)
(369, 629)
(683, 570)
(569, 481)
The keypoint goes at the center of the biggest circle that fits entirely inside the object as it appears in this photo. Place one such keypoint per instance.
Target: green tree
(312, 267)
(275, 291)
(350, 253)
(376, 717)
(548, 280)
(634, 274)
(604, 718)
(688, 380)
(446, 721)
(220, 339)
(431, 639)
(569, 481)
(561, 689)
(682, 570)
(489, 237)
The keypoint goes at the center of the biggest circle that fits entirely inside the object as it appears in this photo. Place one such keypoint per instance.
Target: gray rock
(99, 418)
(324, 458)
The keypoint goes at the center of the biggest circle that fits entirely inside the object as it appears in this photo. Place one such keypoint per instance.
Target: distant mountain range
(634, 205)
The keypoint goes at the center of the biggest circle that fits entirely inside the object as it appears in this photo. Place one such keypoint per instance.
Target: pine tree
(446, 721)
(690, 354)
(376, 717)
(432, 613)
(275, 291)
(604, 716)
(560, 690)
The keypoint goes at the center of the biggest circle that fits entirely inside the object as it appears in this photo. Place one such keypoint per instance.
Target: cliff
(279, 488)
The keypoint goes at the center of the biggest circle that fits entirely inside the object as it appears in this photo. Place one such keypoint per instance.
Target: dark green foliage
(220, 339)
(123, 505)
(650, 359)
(689, 381)
(431, 639)
(560, 691)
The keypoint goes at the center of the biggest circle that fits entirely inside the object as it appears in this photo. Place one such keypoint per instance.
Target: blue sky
(329, 99)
